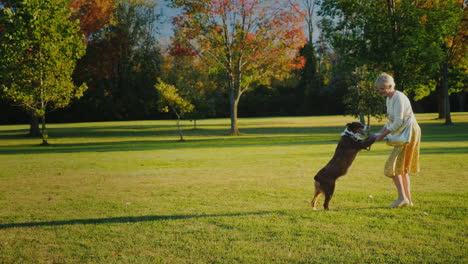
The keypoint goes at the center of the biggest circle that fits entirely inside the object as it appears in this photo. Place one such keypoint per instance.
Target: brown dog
(348, 147)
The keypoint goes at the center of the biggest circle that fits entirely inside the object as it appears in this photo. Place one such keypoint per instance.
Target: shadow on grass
(141, 145)
(361, 209)
(146, 138)
(163, 131)
(431, 132)
(129, 219)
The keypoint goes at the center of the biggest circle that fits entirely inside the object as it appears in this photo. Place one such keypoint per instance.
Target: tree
(170, 98)
(93, 15)
(39, 46)
(454, 47)
(362, 99)
(252, 41)
(121, 63)
(407, 38)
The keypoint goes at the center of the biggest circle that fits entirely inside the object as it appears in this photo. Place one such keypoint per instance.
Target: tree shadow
(162, 131)
(142, 145)
(128, 219)
(151, 137)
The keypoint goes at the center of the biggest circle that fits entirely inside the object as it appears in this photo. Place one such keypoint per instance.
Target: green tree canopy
(39, 46)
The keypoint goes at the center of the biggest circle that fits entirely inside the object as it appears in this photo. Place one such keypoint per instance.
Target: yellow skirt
(405, 159)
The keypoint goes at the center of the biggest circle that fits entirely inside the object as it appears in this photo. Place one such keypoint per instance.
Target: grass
(128, 192)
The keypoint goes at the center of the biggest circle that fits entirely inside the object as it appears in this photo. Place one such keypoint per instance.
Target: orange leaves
(250, 37)
(298, 63)
(262, 36)
(93, 15)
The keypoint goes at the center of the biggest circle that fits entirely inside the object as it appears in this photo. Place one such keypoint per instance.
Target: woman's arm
(382, 134)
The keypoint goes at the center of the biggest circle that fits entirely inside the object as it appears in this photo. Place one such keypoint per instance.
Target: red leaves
(298, 63)
(178, 50)
(93, 15)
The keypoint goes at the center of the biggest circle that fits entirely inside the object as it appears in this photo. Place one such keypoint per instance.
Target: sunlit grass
(128, 192)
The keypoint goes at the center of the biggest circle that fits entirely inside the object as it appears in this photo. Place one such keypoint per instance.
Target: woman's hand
(379, 137)
(383, 133)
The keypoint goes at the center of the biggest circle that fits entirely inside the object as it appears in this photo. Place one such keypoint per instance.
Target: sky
(167, 13)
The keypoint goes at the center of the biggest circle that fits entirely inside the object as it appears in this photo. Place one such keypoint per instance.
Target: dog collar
(346, 132)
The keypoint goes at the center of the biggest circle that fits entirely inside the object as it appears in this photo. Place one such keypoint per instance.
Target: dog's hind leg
(328, 195)
(318, 192)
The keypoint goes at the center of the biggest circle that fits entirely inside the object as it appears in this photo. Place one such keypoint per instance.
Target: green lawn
(128, 192)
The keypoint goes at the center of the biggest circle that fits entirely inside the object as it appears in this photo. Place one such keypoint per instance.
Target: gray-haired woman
(404, 158)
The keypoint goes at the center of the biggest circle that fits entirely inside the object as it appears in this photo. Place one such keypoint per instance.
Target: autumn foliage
(93, 15)
(253, 41)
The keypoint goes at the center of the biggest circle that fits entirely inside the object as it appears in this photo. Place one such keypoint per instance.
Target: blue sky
(167, 14)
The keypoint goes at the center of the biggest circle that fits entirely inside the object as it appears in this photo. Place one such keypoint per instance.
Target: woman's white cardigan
(399, 111)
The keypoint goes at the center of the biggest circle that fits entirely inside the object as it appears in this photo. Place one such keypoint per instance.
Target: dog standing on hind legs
(346, 151)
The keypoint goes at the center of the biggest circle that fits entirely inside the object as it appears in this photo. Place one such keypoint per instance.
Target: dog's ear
(348, 124)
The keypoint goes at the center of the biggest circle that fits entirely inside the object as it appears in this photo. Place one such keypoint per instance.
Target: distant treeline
(262, 102)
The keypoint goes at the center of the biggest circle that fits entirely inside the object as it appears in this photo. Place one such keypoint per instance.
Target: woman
(404, 158)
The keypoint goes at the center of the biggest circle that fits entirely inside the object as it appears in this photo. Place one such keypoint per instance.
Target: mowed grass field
(128, 192)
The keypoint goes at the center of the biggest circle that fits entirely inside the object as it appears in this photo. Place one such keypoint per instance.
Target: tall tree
(309, 90)
(404, 37)
(454, 47)
(251, 40)
(39, 46)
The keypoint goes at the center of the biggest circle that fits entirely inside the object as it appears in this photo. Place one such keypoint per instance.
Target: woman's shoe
(399, 203)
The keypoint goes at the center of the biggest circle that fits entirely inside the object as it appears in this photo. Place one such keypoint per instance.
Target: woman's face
(385, 89)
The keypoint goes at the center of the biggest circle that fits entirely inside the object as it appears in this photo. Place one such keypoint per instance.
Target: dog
(346, 151)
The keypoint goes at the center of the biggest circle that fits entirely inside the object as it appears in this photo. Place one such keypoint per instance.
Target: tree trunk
(179, 130)
(44, 132)
(362, 119)
(234, 101)
(444, 75)
(34, 125)
(234, 97)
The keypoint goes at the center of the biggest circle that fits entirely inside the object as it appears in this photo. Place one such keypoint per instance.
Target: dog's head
(358, 128)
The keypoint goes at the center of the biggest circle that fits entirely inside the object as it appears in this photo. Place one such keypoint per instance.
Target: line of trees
(80, 60)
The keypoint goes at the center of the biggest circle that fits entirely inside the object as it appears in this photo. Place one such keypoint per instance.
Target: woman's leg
(402, 199)
(407, 187)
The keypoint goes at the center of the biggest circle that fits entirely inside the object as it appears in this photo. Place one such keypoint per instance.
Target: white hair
(384, 79)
